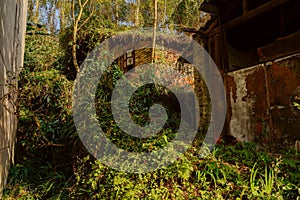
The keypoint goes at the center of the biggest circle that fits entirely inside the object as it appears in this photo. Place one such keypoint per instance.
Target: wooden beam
(245, 6)
(284, 46)
(254, 13)
(206, 32)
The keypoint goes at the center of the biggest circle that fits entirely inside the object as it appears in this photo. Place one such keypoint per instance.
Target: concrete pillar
(12, 40)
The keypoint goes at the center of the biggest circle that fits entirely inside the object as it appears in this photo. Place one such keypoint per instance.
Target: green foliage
(296, 105)
(44, 95)
(188, 14)
(187, 178)
(92, 34)
(41, 52)
(46, 133)
(51, 162)
(45, 102)
(269, 186)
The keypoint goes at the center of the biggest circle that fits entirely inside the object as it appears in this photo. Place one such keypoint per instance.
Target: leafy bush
(91, 35)
(42, 52)
(51, 162)
(46, 137)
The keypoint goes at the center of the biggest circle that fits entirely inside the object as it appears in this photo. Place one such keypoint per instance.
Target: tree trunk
(117, 12)
(74, 39)
(76, 28)
(137, 11)
(51, 19)
(165, 13)
(154, 30)
(62, 15)
(36, 12)
(30, 12)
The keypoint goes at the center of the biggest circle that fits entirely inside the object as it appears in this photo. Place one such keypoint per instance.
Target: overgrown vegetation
(51, 162)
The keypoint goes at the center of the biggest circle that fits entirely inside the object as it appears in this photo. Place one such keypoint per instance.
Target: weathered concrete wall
(12, 32)
(261, 103)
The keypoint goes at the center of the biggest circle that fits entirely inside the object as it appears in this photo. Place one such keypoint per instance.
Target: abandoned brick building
(256, 45)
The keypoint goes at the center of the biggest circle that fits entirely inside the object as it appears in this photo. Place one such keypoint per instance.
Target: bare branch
(87, 19)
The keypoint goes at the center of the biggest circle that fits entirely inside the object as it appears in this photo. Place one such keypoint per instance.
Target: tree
(165, 12)
(52, 6)
(137, 13)
(77, 26)
(187, 14)
(64, 9)
(36, 11)
(30, 10)
(154, 29)
(33, 10)
(117, 12)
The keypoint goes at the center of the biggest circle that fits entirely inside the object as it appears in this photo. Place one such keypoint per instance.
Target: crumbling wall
(12, 31)
(256, 48)
(261, 103)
